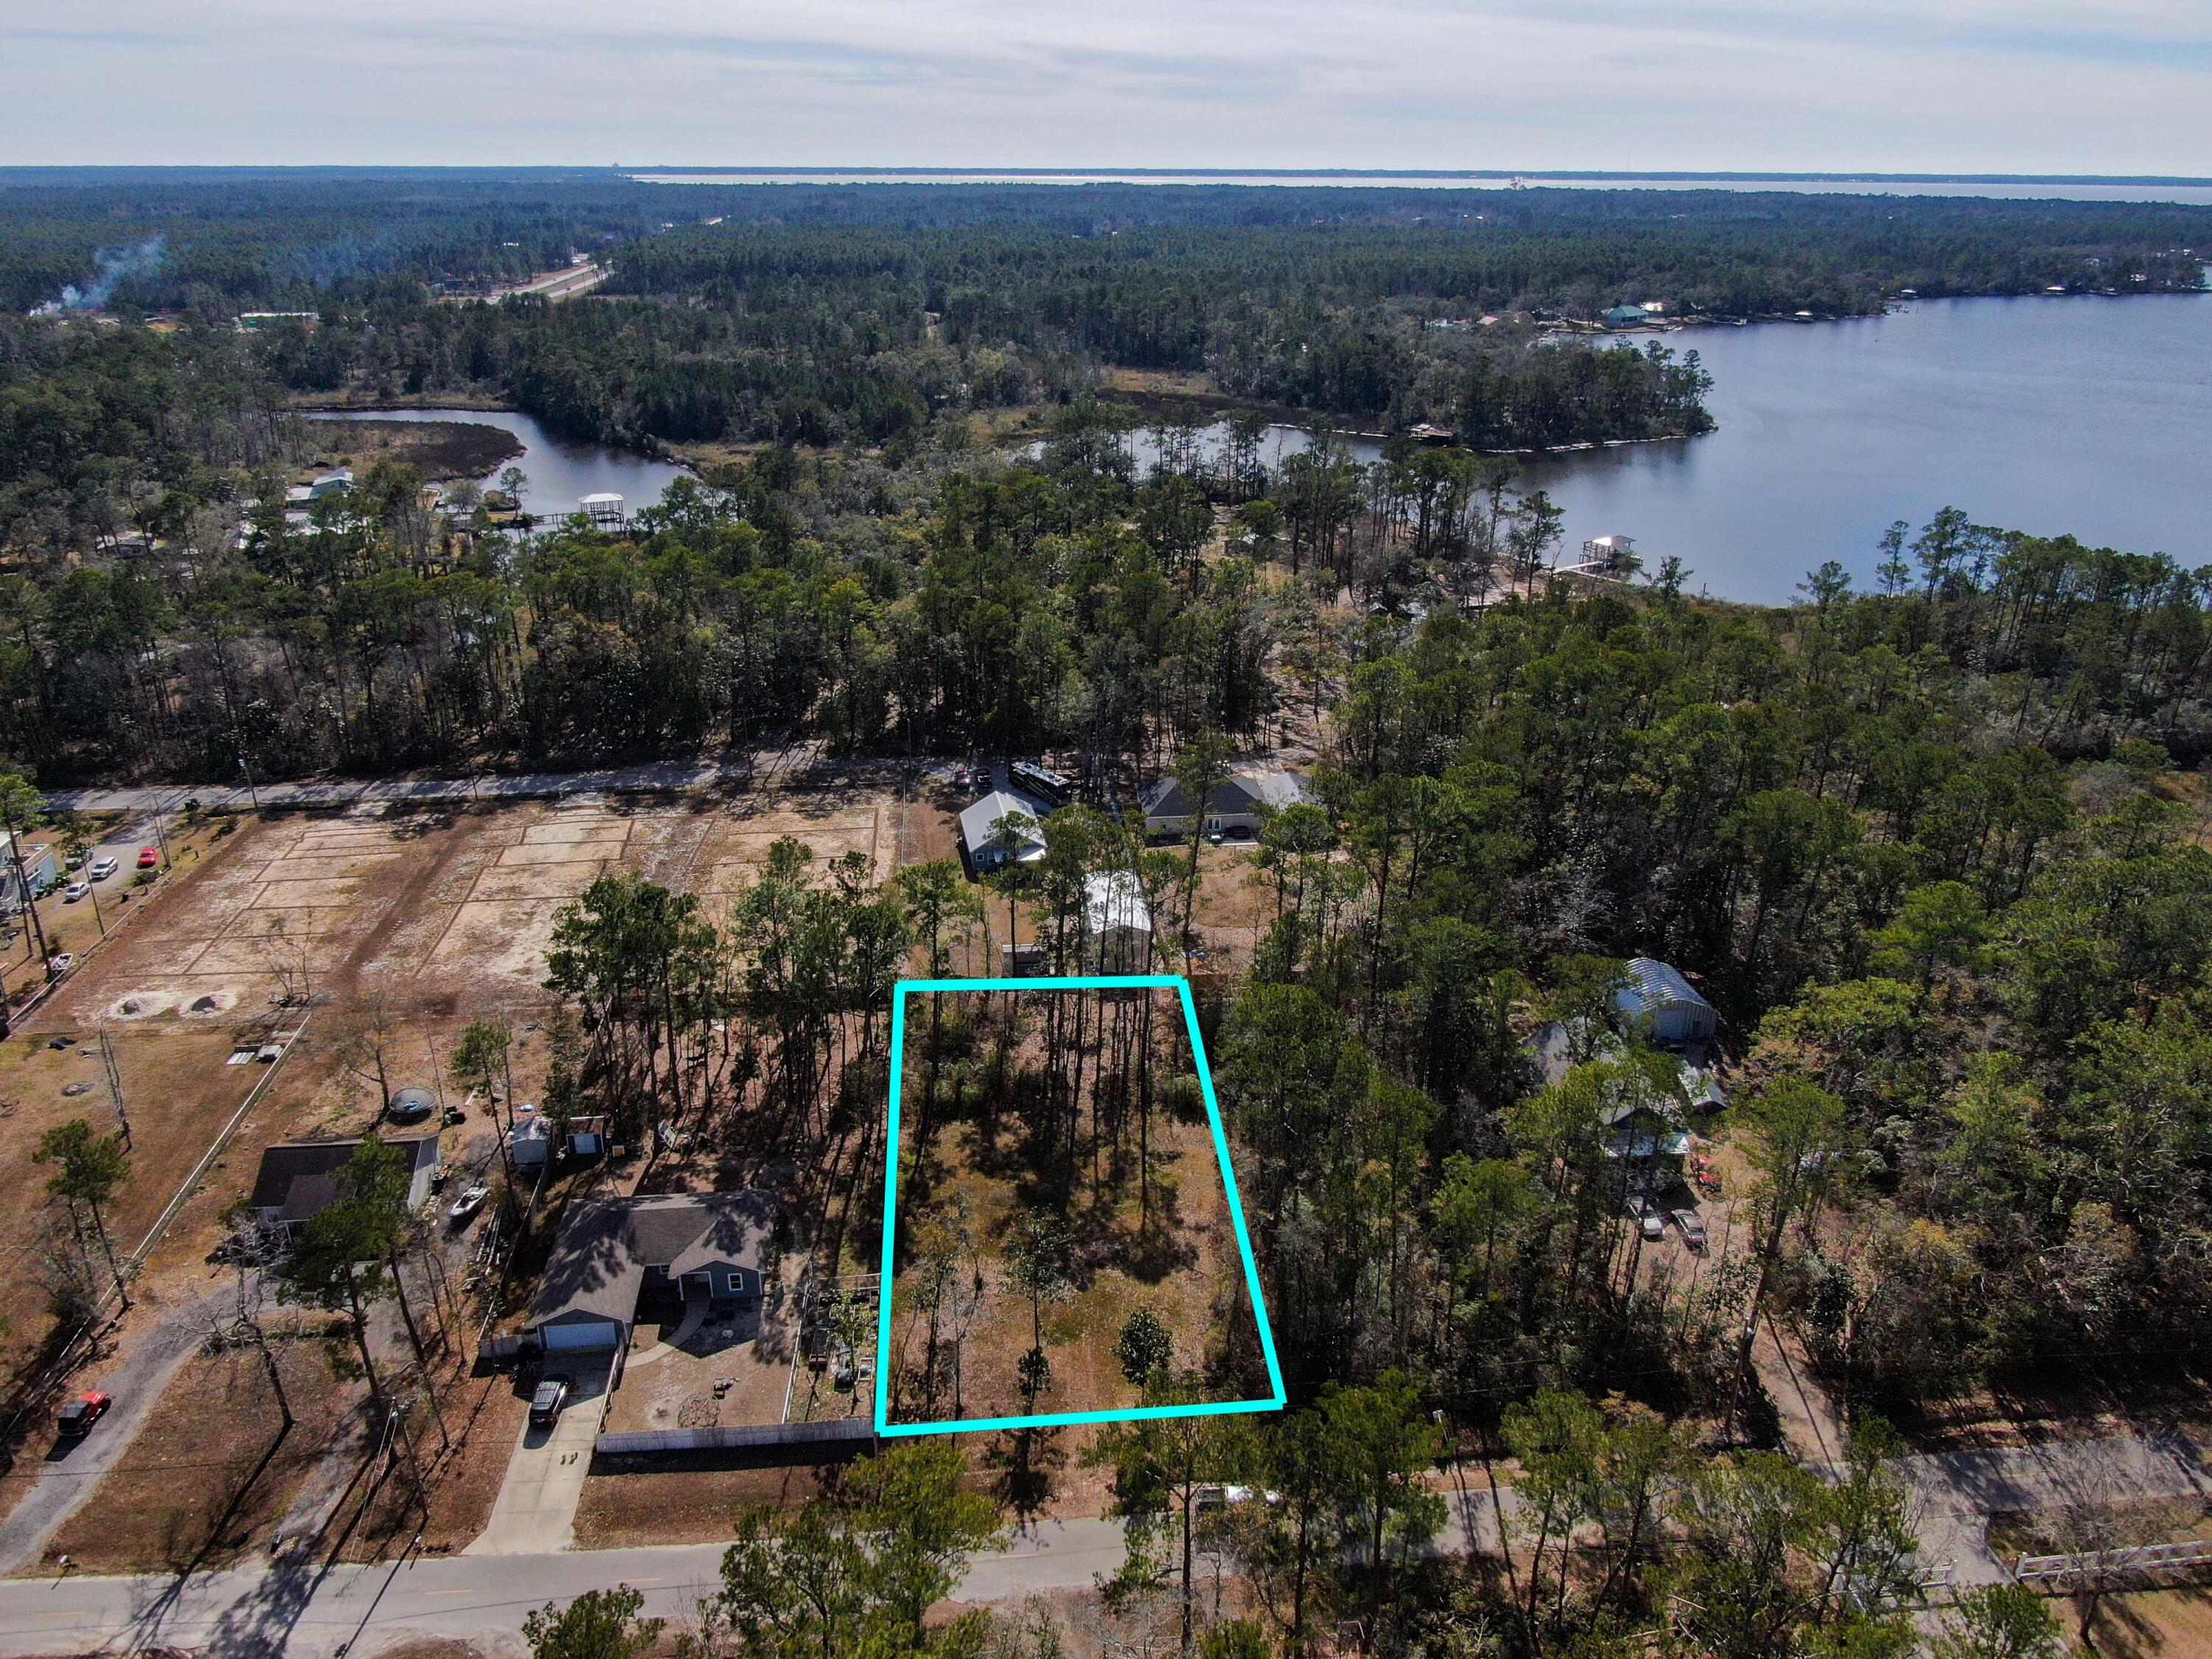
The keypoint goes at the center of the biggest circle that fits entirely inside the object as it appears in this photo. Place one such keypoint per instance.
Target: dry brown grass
(208, 1477)
(1176, 1256)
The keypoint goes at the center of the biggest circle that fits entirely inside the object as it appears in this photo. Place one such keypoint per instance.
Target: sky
(1980, 86)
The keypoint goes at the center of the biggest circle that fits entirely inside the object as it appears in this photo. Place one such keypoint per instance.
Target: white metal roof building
(1656, 999)
(1117, 921)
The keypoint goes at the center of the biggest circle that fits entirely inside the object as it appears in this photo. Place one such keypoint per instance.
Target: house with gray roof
(1240, 805)
(1022, 842)
(612, 1253)
(299, 1179)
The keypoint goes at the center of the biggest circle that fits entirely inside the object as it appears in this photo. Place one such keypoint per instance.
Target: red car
(82, 1412)
(148, 858)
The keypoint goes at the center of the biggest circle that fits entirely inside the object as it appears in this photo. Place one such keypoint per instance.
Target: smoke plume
(113, 266)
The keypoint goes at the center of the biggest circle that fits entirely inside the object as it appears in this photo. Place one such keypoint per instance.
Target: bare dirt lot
(429, 908)
(376, 938)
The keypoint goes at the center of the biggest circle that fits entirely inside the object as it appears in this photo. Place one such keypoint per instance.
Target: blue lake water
(560, 471)
(2082, 414)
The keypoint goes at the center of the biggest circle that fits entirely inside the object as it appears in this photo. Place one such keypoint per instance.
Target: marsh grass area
(437, 449)
(1057, 1177)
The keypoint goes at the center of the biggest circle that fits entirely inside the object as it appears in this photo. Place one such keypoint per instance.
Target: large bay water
(2073, 190)
(2082, 414)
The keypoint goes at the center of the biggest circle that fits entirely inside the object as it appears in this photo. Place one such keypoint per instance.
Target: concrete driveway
(536, 1511)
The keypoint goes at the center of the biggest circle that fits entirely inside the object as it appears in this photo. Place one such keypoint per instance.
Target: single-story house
(1642, 1134)
(336, 481)
(299, 1179)
(1626, 317)
(1241, 801)
(1117, 923)
(37, 866)
(612, 1252)
(1654, 1000)
(980, 833)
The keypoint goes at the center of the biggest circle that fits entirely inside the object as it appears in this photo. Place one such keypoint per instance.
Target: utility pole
(30, 900)
(115, 1086)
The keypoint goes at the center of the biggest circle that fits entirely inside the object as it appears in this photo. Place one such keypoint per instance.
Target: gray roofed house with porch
(979, 835)
(1241, 801)
(612, 1252)
(299, 1179)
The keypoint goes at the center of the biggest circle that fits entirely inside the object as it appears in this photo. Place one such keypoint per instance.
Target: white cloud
(1904, 85)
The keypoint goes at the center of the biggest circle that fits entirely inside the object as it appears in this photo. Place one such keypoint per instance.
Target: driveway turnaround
(536, 1510)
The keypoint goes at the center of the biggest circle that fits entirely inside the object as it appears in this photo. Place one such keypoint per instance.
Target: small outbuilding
(1021, 842)
(1117, 923)
(530, 1142)
(1655, 1000)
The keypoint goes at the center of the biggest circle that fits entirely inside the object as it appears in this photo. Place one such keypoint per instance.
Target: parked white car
(1650, 1219)
(75, 891)
(103, 868)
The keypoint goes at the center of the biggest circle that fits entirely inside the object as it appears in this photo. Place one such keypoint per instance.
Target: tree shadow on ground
(1025, 1466)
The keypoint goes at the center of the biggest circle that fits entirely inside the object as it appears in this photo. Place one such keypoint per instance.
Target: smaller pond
(560, 472)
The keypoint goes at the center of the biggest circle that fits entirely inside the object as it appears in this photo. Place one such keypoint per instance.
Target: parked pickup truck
(76, 1418)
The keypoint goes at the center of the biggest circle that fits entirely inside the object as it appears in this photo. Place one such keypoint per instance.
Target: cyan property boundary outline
(1273, 1401)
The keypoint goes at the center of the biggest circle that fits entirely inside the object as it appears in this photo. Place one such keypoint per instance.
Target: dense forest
(277, 237)
(817, 314)
(1925, 847)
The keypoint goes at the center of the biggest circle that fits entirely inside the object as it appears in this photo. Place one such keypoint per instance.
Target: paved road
(298, 1611)
(658, 775)
(71, 1471)
(1959, 1490)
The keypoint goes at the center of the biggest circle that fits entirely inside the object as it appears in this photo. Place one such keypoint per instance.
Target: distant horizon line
(882, 170)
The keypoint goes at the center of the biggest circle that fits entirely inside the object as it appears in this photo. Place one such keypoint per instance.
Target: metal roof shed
(1655, 998)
